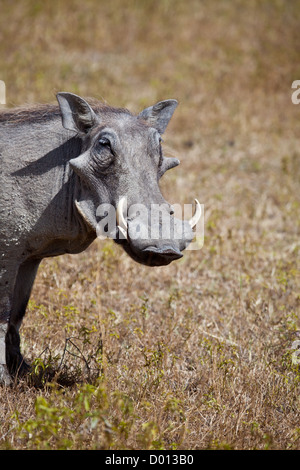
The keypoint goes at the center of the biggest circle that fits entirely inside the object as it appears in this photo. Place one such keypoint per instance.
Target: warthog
(58, 166)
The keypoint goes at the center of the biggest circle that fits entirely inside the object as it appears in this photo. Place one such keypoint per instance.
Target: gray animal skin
(58, 164)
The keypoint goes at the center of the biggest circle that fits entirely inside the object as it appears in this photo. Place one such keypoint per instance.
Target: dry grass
(198, 354)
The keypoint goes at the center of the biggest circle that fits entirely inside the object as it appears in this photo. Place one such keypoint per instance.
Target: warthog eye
(103, 153)
(104, 142)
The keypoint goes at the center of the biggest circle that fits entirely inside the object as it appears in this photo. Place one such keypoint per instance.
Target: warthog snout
(153, 236)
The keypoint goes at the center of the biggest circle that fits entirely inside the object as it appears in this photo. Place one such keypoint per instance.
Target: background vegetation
(199, 354)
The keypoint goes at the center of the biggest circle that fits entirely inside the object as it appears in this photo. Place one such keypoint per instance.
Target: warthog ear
(159, 115)
(77, 115)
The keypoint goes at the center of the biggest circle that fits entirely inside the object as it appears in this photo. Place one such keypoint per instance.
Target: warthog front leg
(16, 280)
(7, 282)
(22, 290)
(5, 378)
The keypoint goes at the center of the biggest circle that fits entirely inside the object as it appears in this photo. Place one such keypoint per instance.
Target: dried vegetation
(199, 354)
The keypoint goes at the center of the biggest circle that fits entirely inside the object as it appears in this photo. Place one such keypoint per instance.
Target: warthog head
(119, 168)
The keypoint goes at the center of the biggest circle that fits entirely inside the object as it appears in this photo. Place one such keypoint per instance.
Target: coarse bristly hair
(45, 112)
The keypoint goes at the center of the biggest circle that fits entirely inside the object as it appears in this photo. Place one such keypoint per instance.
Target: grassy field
(199, 354)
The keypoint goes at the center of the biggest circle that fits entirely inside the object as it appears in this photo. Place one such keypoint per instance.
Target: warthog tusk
(122, 224)
(196, 217)
(84, 215)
